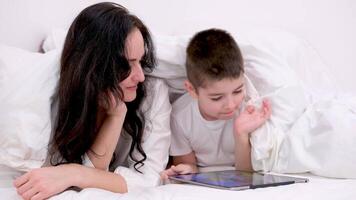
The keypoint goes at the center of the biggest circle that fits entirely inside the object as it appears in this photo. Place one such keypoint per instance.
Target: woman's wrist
(116, 117)
(120, 111)
(75, 175)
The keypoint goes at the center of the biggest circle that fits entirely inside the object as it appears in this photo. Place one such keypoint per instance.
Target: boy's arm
(242, 152)
(248, 121)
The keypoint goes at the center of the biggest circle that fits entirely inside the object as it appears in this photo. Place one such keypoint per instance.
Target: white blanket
(322, 140)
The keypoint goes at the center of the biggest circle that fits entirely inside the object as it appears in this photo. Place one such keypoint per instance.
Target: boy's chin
(226, 117)
(218, 117)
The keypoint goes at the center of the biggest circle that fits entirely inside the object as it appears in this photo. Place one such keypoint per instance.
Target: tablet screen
(233, 179)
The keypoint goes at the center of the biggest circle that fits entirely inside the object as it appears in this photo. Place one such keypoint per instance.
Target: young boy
(209, 125)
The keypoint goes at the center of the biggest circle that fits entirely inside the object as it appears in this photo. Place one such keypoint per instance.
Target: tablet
(236, 180)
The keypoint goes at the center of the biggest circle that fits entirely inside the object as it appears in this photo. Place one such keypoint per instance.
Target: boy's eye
(237, 92)
(216, 99)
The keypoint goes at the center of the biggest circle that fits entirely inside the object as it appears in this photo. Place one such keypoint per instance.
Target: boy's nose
(230, 104)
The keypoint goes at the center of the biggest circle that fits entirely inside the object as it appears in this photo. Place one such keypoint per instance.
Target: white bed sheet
(316, 188)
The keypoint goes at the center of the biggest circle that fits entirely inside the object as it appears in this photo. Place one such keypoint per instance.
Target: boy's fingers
(269, 113)
(166, 173)
(266, 102)
(164, 176)
(175, 168)
(179, 169)
(170, 172)
(250, 109)
(267, 107)
(264, 110)
(186, 171)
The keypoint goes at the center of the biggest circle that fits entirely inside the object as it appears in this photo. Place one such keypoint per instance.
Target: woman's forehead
(134, 46)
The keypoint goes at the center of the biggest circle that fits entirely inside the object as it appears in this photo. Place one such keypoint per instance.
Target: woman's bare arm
(43, 183)
(110, 120)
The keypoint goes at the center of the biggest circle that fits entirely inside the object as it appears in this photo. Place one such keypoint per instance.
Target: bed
(317, 188)
(300, 64)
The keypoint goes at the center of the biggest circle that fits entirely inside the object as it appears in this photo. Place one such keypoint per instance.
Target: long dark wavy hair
(94, 62)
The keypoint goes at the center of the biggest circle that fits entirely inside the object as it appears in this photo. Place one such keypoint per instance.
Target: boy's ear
(190, 88)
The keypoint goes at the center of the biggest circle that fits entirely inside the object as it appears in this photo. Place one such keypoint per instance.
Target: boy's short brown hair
(213, 55)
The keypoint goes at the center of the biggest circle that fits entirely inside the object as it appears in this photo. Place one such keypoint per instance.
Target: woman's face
(135, 50)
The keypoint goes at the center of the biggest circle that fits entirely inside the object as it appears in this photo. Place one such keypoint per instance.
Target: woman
(102, 121)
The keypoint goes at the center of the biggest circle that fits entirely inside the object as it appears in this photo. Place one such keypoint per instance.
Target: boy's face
(219, 100)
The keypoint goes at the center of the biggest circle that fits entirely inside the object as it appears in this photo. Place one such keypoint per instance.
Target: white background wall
(328, 25)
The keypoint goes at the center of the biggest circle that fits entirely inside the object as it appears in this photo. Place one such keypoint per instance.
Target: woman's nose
(138, 74)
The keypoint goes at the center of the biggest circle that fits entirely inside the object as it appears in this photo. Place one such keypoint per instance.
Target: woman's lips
(132, 88)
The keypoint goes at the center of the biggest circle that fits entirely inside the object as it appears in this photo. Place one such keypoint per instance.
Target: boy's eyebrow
(217, 94)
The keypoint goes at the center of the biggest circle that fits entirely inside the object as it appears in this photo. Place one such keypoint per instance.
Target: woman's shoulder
(156, 94)
(155, 87)
(156, 106)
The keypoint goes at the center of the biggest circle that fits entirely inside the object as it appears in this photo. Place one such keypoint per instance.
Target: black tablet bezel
(268, 179)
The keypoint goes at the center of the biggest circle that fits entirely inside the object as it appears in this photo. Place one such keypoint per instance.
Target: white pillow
(297, 55)
(55, 40)
(27, 82)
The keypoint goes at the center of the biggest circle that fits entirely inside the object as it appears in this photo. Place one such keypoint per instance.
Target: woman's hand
(252, 118)
(44, 182)
(115, 107)
(178, 169)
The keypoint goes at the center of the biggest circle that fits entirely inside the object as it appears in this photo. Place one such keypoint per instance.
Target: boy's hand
(178, 169)
(252, 118)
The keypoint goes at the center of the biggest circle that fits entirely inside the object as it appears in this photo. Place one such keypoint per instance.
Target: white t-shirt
(212, 141)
